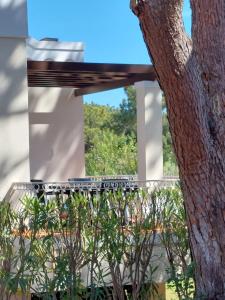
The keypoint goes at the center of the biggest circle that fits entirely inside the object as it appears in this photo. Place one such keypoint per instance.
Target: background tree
(191, 74)
(126, 117)
(169, 159)
(119, 124)
(110, 147)
(112, 155)
(97, 118)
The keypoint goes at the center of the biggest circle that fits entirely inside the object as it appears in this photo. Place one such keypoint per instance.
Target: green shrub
(84, 243)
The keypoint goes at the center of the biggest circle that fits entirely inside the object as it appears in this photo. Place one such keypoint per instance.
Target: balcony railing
(89, 186)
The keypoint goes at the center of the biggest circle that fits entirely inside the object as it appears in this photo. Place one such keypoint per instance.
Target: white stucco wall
(41, 138)
(56, 119)
(13, 18)
(56, 134)
(14, 126)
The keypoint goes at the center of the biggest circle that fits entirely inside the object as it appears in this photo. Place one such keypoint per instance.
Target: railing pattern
(89, 186)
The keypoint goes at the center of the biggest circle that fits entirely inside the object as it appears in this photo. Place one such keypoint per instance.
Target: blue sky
(108, 29)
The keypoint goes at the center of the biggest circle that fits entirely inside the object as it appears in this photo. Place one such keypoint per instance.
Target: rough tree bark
(191, 72)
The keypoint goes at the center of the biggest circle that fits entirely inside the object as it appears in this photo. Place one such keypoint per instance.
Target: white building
(41, 119)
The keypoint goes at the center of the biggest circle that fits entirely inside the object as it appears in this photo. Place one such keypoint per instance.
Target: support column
(149, 130)
(14, 125)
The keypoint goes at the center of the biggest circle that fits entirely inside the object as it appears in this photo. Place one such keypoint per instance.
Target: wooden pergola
(86, 78)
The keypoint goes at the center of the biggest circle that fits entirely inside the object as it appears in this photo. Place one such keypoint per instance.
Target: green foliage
(110, 235)
(8, 222)
(110, 137)
(169, 159)
(107, 128)
(128, 241)
(97, 119)
(112, 155)
(175, 239)
(126, 117)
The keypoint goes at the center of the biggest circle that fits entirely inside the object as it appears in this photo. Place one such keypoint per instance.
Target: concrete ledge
(54, 50)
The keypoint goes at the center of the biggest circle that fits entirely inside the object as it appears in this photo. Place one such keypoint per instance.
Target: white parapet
(14, 124)
(53, 50)
(149, 130)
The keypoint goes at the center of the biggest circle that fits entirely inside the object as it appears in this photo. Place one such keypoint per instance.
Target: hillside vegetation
(111, 138)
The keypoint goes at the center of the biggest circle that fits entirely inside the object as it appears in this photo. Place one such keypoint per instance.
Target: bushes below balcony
(112, 245)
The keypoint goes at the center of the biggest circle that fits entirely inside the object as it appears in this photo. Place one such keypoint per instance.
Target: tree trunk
(191, 72)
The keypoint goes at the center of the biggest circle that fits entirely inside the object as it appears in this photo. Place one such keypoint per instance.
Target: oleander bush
(95, 246)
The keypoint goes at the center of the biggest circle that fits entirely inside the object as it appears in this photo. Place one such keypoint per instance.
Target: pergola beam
(86, 78)
(95, 88)
(88, 67)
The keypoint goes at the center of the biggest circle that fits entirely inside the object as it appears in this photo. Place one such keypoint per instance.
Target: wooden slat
(88, 67)
(100, 87)
(86, 77)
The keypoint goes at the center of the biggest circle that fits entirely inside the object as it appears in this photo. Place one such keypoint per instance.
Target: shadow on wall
(56, 134)
(153, 143)
(13, 97)
(13, 20)
(55, 139)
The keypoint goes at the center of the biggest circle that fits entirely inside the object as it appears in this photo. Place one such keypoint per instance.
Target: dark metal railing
(91, 186)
